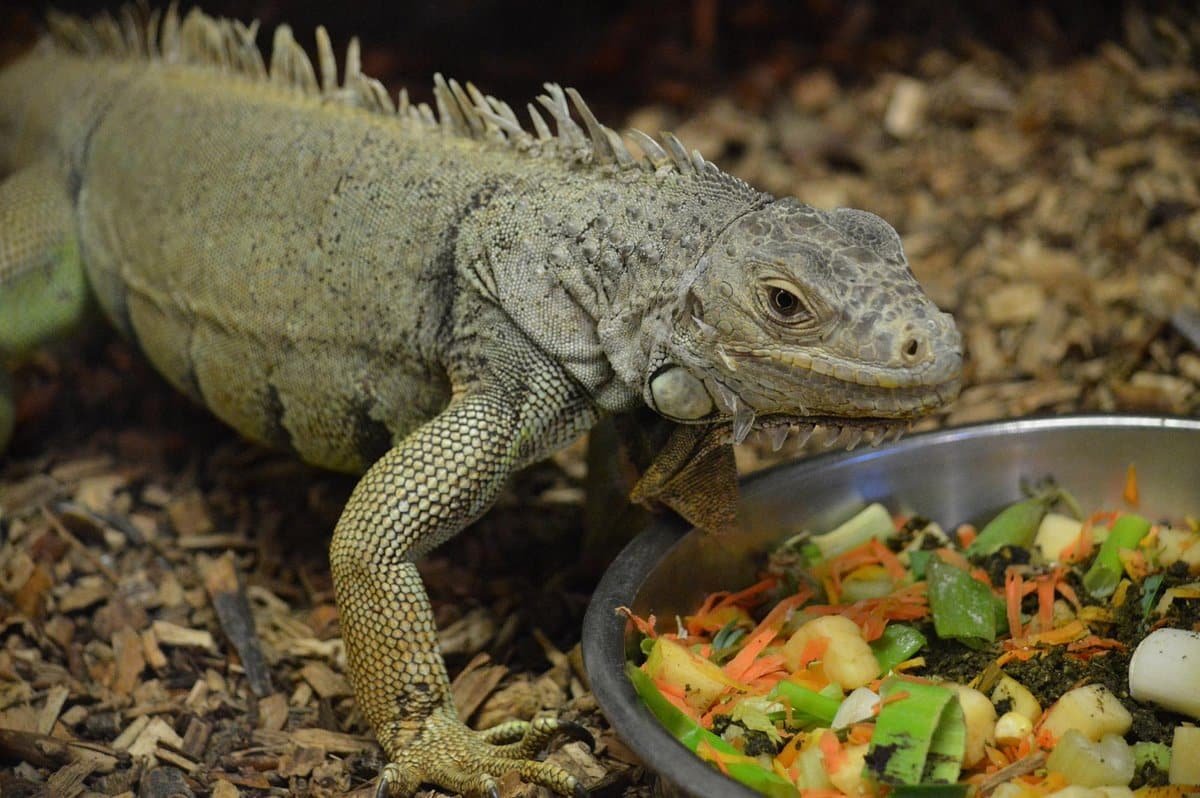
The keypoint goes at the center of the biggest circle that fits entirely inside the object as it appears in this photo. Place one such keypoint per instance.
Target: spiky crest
(229, 46)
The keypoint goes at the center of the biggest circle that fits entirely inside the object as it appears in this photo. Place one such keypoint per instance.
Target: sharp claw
(580, 791)
(577, 732)
(493, 791)
(381, 787)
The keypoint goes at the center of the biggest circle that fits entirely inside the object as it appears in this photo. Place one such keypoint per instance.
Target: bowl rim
(603, 640)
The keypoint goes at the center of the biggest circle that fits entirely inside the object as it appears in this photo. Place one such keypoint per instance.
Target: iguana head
(796, 315)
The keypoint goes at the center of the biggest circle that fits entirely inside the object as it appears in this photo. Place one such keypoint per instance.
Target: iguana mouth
(835, 432)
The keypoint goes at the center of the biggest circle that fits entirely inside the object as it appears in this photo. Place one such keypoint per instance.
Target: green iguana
(433, 297)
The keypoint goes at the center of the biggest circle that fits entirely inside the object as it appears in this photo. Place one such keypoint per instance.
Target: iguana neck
(599, 281)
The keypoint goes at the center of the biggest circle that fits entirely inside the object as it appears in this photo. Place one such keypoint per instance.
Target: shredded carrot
(789, 752)
(1045, 593)
(1130, 494)
(1135, 563)
(1012, 602)
(966, 534)
(952, 557)
(1092, 642)
(909, 603)
(832, 751)
(891, 698)
(1066, 591)
(813, 650)
(1083, 546)
(889, 560)
(763, 634)
(743, 597)
(675, 696)
(763, 666)
(1045, 739)
(646, 626)
(860, 733)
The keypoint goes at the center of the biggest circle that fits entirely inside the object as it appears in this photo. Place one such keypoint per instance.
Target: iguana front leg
(43, 289)
(440, 478)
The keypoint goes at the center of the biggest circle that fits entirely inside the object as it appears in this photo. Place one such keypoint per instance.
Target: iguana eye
(785, 305)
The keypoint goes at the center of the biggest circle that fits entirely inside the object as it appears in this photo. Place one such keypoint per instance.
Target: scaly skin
(436, 301)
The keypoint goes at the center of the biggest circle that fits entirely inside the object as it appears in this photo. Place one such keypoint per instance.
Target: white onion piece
(1165, 670)
(857, 707)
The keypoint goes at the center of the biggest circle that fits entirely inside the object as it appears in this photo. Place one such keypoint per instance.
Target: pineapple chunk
(1056, 533)
(1185, 756)
(701, 681)
(1092, 709)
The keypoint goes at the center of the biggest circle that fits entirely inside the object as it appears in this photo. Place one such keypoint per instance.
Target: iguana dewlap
(435, 297)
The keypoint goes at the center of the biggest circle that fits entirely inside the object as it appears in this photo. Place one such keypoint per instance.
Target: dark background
(622, 54)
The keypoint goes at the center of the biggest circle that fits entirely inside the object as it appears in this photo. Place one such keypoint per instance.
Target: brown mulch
(166, 613)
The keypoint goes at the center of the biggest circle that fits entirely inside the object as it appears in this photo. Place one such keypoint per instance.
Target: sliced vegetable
(1157, 755)
(700, 680)
(1056, 534)
(920, 734)
(1102, 578)
(1091, 710)
(1165, 670)
(963, 608)
(873, 521)
(697, 738)
(809, 708)
(898, 643)
(980, 718)
(1018, 696)
(1012, 727)
(846, 657)
(776, 687)
(1107, 762)
(859, 706)
(1185, 756)
(929, 791)
(1015, 525)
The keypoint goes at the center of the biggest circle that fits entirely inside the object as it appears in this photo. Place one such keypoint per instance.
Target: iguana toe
(531, 736)
(449, 755)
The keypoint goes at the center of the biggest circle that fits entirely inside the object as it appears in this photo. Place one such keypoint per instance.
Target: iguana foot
(448, 754)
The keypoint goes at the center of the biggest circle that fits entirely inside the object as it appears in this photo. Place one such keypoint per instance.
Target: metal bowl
(951, 476)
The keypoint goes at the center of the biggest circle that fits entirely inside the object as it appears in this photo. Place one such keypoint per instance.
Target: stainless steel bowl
(953, 475)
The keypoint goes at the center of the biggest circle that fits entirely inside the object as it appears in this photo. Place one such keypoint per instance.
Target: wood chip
(233, 610)
(189, 515)
(169, 634)
(324, 681)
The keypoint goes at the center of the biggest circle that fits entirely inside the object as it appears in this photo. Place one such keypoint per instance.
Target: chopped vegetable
(696, 737)
(812, 692)
(1185, 756)
(1165, 670)
(861, 705)
(701, 681)
(1108, 762)
(898, 643)
(873, 521)
(979, 717)
(920, 735)
(1016, 697)
(1156, 755)
(1056, 534)
(1102, 578)
(1016, 524)
(963, 608)
(808, 707)
(845, 656)
(1092, 710)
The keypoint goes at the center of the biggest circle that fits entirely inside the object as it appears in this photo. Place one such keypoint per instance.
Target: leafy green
(962, 607)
